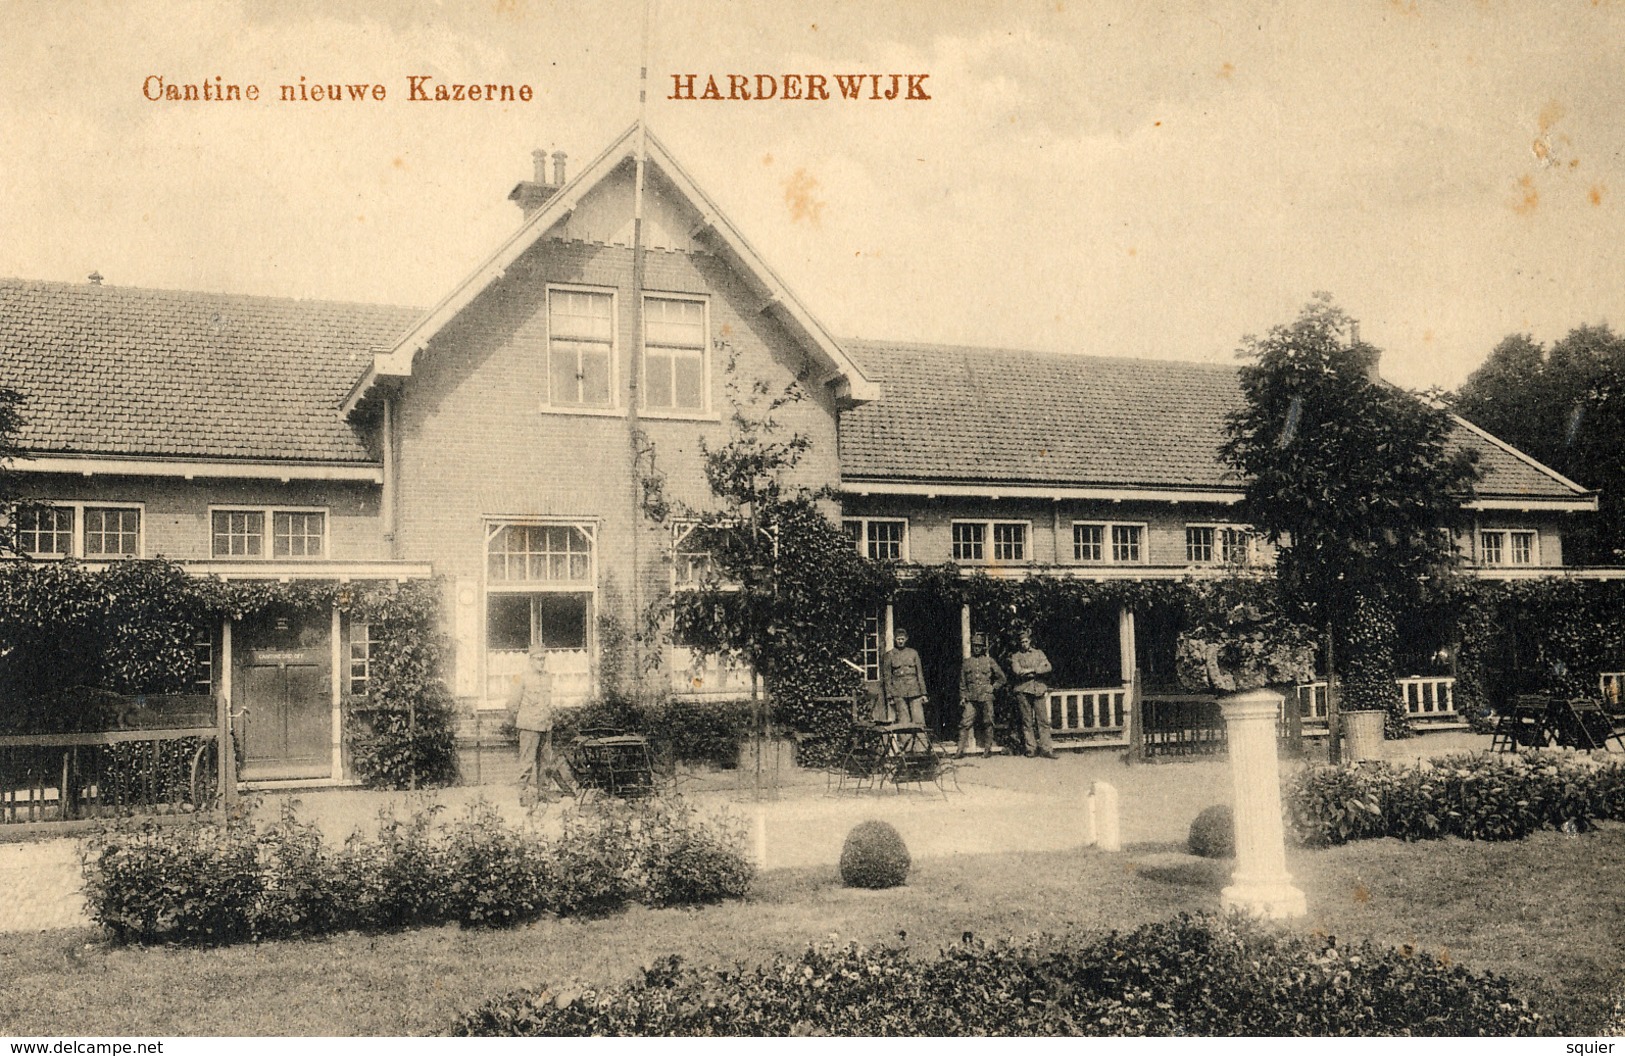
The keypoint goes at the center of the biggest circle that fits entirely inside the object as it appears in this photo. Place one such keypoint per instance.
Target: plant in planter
(1240, 641)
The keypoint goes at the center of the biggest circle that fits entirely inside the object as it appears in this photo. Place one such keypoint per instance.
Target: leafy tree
(1352, 480)
(1565, 407)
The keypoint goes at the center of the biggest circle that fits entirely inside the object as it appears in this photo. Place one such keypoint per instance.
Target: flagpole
(635, 433)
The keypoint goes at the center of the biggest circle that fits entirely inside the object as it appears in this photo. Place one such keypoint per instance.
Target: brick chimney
(533, 193)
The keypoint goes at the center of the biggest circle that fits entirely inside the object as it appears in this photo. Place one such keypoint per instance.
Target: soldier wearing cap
(531, 699)
(902, 677)
(979, 678)
(1030, 665)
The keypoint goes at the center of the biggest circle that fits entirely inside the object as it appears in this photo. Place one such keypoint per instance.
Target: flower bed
(1475, 797)
(211, 884)
(1190, 976)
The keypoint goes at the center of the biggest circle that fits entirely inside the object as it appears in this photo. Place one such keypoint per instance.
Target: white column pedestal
(1260, 885)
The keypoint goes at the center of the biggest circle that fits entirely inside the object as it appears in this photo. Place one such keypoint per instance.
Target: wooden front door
(283, 698)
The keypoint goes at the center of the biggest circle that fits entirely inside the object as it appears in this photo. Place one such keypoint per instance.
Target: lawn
(1545, 911)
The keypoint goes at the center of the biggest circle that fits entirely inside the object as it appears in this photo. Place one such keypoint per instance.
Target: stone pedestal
(1260, 884)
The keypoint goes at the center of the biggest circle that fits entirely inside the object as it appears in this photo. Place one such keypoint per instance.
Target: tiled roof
(952, 414)
(118, 370)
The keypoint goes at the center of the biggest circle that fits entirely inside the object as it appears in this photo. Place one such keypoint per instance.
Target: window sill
(663, 414)
(583, 412)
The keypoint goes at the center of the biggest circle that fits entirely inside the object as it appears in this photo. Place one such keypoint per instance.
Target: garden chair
(1526, 725)
(1582, 723)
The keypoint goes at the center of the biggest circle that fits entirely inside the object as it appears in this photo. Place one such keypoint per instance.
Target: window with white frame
(268, 532)
(998, 542)
(674, 353)
(1108, 543)
(871, 649)
(879, 538)
(533, 553)
(580, 347)
(361, 646)
(203, 663)
(1224, 544)
(694, 555)
(1506, 546)
(95, 532)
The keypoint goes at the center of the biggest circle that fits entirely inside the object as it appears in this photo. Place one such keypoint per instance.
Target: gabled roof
(838, 366)
(1002, 418)
(116, 370)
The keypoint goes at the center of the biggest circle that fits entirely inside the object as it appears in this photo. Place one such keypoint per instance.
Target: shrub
(196, 884)
(592, 867)
(687, 861)
(498, 873)
(1193, 975)
(1213, 833)
(1475, 797)
(874, 856)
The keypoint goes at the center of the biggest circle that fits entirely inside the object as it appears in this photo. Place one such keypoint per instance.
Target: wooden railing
(1426, 697)
(1096, 715)
(1181, 724)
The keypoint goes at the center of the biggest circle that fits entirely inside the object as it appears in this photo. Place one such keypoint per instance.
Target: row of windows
(1006, 542)
(101, 532)
(581, 351)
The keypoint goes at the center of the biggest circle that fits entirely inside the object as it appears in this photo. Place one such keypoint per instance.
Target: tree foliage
(1352, 479)
(11, 423)
(784, 592)
(1565, 407)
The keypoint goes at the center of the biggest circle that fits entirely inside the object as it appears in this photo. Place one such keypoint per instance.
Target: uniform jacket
(979, 677)
(901, 675)
(532, 696)
(1030, 666)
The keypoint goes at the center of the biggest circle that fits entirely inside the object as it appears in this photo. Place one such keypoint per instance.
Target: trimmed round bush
(1213, 833)
(874, 856)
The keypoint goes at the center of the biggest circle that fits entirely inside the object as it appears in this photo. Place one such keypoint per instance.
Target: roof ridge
(256, 297)
(878, 344)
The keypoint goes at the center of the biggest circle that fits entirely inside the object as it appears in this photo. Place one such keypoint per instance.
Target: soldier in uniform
(532, 701)
(1030, 665)
(903, 680)
(979, 678)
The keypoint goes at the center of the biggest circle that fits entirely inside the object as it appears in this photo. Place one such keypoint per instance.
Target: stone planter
(1362, 735)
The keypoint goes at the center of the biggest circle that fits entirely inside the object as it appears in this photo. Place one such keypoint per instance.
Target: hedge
(1202, 975)
(211, 883)
(1475, 797)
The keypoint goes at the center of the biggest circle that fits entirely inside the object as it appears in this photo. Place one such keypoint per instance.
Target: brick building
(499, 440)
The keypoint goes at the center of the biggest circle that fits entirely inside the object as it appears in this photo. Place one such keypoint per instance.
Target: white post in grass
(1260, 885)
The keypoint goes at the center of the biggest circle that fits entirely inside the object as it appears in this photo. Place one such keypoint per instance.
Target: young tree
(784, 590)
(1352, 479)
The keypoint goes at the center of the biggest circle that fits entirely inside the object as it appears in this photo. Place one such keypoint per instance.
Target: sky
(1124, 179)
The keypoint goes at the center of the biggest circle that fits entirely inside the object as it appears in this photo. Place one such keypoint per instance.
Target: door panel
(283, 697)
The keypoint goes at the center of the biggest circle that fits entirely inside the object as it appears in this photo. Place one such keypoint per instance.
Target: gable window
(674, 344)
(972, 539)
(1107, 543)
(879, 538)
(79, 530)
(1507, 547)
(529, 553)
(292, 533)
(1208, 544)
(580, 347)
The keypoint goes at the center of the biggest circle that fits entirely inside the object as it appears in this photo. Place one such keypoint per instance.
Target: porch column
(339, 656)
(1129, 668)
(964, 631)
(1260, 885)
(1126, 646)
(887, 641)
(226, 756)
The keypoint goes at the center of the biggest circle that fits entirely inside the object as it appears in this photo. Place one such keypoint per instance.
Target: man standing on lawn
(1030, 665)
(979, 678)
(531, 699)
